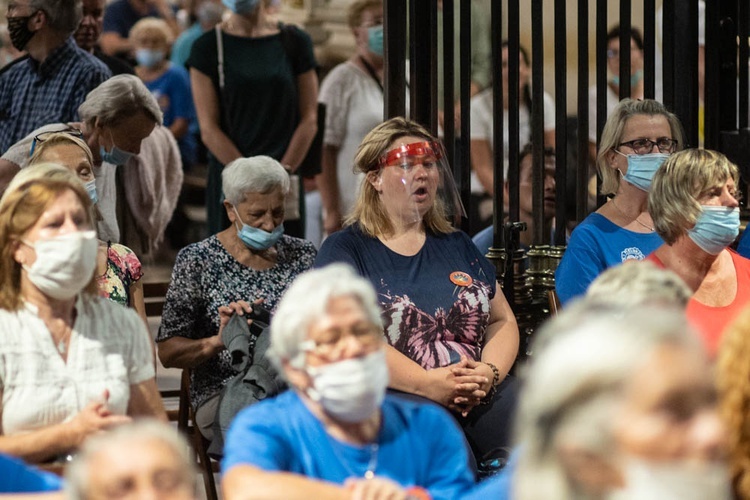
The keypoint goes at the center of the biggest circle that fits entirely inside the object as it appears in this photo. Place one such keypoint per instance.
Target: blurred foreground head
(619, 404)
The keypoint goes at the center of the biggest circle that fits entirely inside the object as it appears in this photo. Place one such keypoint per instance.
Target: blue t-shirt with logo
(595, 245)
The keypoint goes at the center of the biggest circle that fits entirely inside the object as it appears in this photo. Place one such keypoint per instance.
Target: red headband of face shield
(407, 155)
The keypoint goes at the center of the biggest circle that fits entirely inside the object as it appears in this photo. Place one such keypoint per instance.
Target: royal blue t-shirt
(743, 247)
(435, 304)
(17, 477)
(120, 16)
(172, 91)
(418, 445)
(595, 245)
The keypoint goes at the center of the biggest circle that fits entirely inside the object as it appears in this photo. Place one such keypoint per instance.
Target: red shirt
(711, 322)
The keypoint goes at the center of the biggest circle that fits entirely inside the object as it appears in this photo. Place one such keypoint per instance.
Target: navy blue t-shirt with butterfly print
(436, 304)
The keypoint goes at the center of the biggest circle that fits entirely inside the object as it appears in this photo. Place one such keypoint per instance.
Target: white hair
(118, 98)
(257, 174)
(639, 283)
(77, 475)
(574, 384)
(306, 301)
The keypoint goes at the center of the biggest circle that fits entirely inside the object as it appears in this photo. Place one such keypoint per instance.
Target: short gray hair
(63, 16)
(306, 301)
(257, 174)
(639, 283)
(118, 98)
(582, 363)
(77, 473)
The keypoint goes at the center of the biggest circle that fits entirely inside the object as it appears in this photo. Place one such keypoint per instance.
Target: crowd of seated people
(395, 341)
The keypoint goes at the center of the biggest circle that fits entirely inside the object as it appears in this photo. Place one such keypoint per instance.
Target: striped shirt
(33, 94)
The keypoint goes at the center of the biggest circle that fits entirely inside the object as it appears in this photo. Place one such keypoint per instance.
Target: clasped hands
(460, 386)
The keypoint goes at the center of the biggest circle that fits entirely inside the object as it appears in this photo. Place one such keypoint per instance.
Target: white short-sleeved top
(354, 106)
(109, 349)
(482, 126)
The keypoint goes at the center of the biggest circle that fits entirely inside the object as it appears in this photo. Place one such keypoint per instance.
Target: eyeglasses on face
(645, 146)
(38, 139)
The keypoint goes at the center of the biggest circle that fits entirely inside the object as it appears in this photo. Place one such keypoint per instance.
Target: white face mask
(64, 264)
(674, 481)
(350, 390)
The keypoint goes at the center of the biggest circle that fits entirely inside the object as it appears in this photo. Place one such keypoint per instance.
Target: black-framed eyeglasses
(38, 139)
(645, 146)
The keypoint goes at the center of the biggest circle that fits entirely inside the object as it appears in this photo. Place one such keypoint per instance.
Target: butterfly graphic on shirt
(439, 339)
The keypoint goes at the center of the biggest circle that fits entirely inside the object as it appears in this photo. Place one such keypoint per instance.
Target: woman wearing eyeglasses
(451, 334)
(637, 137)
(336, 434)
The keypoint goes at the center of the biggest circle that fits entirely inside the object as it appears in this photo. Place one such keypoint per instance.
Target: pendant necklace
(62, 347)
(372, 463)
(650, 228)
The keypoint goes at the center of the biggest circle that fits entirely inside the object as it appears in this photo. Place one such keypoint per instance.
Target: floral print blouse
(206, 276)
(123, 269)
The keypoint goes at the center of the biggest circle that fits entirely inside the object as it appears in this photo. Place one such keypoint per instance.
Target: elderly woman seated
(693, 202)
(617, 404)
(337, 434)
(71, 363)
(251, 260)
(118, 270)
(142, 460)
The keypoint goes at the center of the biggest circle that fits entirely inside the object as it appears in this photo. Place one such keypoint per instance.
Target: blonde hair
(27, 197)
(369, 212)
(357, 8)
(733, 383)
(56, 139)
(679, 183)
(615, 127)
(152, 26)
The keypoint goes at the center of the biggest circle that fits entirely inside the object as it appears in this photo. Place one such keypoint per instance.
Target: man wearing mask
(50, 85)
(88, 33)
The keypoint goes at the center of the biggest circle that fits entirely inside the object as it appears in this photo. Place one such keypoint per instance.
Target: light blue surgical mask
(116, 156)
(716, 228)
(256, 238)
(91, 190)
(149, 57)
(375, 39)
(241, 7)
(634, 78)
(641, 168)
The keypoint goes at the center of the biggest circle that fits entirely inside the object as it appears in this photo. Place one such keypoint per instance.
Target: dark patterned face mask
(18, 29)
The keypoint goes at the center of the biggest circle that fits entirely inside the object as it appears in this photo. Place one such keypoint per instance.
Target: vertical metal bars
(561, 124)
(514, 33)
(583, 113)
(649, 48)
(625, 56)
(537, 120)
(465, 96)
(394, 96)
(498, 148)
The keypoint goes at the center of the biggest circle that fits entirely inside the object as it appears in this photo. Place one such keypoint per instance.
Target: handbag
(291, 200)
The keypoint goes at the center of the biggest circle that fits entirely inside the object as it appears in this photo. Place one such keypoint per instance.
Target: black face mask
(18, 29)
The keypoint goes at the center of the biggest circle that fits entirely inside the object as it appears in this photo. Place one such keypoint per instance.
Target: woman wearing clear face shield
(451, 334)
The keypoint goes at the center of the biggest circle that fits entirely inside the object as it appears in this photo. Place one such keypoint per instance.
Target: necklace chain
(650, 228)
(372, 464)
